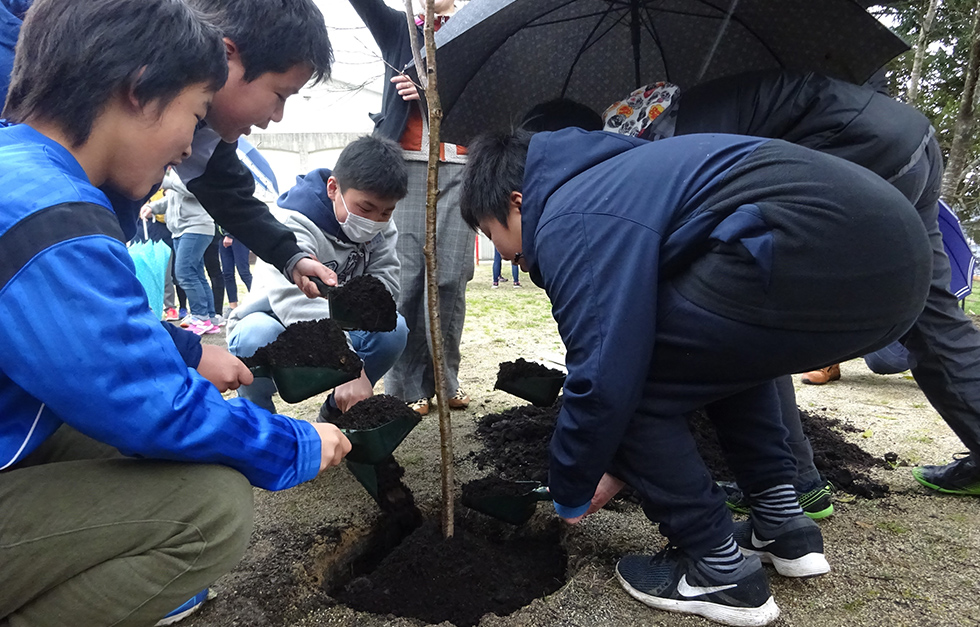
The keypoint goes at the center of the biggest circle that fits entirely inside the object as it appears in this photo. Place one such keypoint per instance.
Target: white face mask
(358, 228)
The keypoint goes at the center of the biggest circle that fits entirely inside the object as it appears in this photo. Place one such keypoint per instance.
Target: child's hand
(353, 392)
(334, 445)
(406, 88)
(308, 266)
(145, 212)
(609, 486)
(223, 369)
(227, 241)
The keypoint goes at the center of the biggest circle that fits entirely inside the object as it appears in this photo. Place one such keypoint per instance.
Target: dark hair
(73, 57)
(273, 35)
(372, 164)
(560, 113)
(494, 169)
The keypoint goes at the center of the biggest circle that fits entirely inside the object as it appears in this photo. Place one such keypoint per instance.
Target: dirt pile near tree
(516, 441)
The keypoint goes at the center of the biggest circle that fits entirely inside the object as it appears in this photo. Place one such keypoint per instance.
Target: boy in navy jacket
(668, 264)
(124, 474)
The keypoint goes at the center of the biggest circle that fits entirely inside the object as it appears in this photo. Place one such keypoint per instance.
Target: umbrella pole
(635, 33)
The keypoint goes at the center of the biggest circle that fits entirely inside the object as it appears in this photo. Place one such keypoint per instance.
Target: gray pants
(90, 538)
(412, 378)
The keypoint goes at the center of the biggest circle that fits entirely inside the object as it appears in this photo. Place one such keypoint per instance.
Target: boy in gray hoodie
(342, 217)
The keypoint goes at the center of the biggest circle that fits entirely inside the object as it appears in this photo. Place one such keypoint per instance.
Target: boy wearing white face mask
(343, 218)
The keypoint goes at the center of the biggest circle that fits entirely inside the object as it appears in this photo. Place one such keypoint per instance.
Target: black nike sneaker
(960, 476)
(672, 581)
(795, 547)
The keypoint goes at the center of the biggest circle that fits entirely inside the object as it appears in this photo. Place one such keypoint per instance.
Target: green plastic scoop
(539, 391)
(372, 446)
(298, 383)
(515, 509)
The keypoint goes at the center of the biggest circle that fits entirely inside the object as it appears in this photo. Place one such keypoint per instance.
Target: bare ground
(908, 559)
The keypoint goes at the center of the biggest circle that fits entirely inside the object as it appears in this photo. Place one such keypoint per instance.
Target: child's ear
(231, 49)
(128, 93)
(515, 201)
(332, 188)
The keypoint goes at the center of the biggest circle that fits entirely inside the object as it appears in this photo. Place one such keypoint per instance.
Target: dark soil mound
(515, 442)
(374, 412)
(481, 569)
(365, 298)
(316, 343)
(838, 460)
(515, 446)
(522, 369)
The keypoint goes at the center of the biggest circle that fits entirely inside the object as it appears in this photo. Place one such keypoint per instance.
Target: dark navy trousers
(699, 358)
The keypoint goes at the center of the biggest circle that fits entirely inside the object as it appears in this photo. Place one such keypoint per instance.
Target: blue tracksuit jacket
(79, 344)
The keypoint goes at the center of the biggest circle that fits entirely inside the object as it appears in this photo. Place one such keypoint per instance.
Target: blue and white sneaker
(190, 606)
(672, 581)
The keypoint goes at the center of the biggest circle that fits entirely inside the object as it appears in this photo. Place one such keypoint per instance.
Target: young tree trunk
(430, 84)
(965, 119)
(920, 51)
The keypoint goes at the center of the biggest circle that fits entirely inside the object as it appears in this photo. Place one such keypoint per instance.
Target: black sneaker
(795, 547)
(961, 476)
(328, 413)
(673, 582)
(816, 503)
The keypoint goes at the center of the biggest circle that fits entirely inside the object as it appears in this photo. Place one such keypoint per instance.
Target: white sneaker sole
(810, 565)
(724, 614)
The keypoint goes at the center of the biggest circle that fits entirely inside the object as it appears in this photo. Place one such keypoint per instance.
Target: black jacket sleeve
(390, 31)
(225, 191)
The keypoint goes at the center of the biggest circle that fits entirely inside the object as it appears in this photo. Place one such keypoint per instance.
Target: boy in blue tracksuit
(273, 48)
(125, 477)
(667, 264)
(343, 218)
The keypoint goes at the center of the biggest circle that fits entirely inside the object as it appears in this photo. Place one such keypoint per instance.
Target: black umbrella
(498, 58)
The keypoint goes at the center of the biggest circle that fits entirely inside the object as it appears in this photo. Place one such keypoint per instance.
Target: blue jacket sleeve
(116, 375)
(188, 344)
(601, 273)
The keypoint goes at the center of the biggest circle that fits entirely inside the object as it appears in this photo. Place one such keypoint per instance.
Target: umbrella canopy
(957, 248)
(261, 171)
(498, 58)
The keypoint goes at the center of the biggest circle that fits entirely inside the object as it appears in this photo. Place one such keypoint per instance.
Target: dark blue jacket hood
(309, 197)
(553, 159)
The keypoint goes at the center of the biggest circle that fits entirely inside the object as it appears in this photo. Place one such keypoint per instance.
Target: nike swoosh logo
(686, 590)
(757, 543)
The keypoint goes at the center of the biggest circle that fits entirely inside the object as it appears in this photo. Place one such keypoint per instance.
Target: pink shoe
(203, 327)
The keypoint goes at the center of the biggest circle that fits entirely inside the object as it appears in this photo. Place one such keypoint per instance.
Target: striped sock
(775, 505)
(725, 557)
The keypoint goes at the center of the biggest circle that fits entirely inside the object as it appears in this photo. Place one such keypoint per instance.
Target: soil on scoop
(515, 446)
(523, 369)
(492, 486)
(315, 343)
(368, 298)
(483, 568)
(373, 412)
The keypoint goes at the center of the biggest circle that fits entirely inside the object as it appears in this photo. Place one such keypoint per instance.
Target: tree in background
(939, 77)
